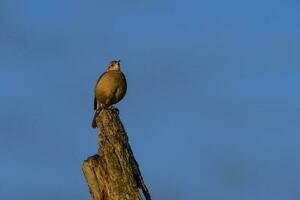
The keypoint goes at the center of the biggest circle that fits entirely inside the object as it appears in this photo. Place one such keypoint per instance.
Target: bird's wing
(95, 103)
(100, 78)
(125, 81)
(95, 100)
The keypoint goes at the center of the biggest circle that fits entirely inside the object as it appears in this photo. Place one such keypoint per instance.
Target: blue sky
(212, 109)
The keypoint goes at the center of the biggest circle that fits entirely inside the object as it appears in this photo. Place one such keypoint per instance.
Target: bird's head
(114, 65)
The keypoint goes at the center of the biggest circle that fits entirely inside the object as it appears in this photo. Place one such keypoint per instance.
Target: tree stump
(113, 173)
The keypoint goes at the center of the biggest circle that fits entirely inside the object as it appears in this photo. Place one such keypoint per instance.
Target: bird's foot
(115, 109)
(102, 106)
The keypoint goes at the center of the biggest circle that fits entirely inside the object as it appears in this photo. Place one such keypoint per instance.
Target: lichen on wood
(113, 173)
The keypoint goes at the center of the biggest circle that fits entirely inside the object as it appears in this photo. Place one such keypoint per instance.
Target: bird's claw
(115, 109)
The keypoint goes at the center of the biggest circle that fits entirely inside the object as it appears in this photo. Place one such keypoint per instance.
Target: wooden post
(113, 173)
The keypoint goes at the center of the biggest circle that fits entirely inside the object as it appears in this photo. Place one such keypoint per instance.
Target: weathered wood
(113, 174)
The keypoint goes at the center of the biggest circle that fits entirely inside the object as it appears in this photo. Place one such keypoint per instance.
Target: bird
(110, 88)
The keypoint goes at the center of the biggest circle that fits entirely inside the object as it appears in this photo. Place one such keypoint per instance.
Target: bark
(113, 173)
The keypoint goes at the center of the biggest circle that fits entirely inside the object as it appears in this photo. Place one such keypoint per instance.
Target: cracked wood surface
(113, 173)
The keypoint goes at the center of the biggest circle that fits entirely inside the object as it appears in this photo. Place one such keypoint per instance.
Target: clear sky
(212, 109)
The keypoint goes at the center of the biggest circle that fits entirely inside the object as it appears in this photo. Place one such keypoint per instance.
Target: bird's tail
(94, 122)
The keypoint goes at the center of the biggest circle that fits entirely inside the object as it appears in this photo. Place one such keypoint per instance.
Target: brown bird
(110, 88)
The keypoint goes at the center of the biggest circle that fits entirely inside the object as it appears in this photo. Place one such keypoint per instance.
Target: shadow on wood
(113, 174)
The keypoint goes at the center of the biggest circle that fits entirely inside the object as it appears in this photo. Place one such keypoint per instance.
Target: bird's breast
(111, 87)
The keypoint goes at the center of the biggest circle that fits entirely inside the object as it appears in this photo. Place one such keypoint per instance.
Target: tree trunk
(113, 173)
